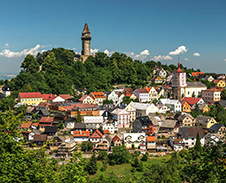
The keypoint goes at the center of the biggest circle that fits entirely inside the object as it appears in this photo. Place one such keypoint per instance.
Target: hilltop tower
(178, 83)
(86, 38)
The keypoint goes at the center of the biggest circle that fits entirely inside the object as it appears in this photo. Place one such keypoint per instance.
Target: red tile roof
(98, 95)
(96, 134)
(151, 138)
(82, 98)
(116, 137)
(106, 132)
(84, 106)
(42, 104)
(81, 133)
(65, 96)
(191, 100)
(35, 124)
(46, 120)
(26, 124)
(214, 89)
(128, 95)
(31, 95)
(196, 73)
(142, 90)
(48, 96)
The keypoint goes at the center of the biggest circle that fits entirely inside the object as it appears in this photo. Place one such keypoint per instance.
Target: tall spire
(179, 70)
(86, 29)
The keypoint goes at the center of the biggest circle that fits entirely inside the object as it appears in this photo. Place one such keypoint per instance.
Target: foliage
(60, 125)
(91, 166)
(78, 117)
(102, 155)
(108, 101)
(119, 155)
(223, 94)
(145, 157)
(7, 103)
(127, 100)
(86, 146)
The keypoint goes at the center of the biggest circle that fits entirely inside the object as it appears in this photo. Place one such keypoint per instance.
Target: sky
(193, 31)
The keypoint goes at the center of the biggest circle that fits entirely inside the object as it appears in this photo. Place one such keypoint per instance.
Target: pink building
(123, 118)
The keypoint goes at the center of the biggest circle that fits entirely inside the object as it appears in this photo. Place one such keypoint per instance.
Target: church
(182, 88)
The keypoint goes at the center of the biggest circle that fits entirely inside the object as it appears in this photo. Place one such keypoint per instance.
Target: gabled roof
(30, 95)
(48, 96)
(203, 119)
(116, 137)
(214, 89)
(149, 88)
(144, 120)
(45, 112)
(222, 103)
(96, 134)
(195, 84)
(106, 131)
(127, 91)
(118, 111)
(217, 81)
(183, 116)
(43, 104)
(40, 138)
(65, 96)
(26, 124)
(191, 100)
(191, 132)
(142, 90)
(151, 139)
(98, 95)
(81, 133)
(35, 124)
(168, 123)
(80, 126)
(85, 106)
(83, 98)
(215, 127)
(50, 129)
(139, 106)
(46, 119)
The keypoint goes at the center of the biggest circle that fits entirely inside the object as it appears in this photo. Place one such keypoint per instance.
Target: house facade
(30, 98)
(211, 95)
(123, 118)
(142, 95)
(134, 139)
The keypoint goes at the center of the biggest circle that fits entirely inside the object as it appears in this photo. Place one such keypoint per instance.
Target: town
(65, 111)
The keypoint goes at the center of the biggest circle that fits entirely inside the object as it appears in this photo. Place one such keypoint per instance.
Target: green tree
(119, 155)
(223, 94)
(78, 117)
(198, 146)
(145, 157)
(91, 166)
(30, 64)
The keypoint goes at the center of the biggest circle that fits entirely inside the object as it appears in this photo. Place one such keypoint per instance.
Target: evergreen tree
(91, 166)
(198, 146)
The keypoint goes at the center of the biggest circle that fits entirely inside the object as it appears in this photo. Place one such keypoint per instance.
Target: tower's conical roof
(86, 29)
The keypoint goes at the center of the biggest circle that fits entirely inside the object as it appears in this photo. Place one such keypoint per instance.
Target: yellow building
(205, 121)
(219, 83)
(30, 98)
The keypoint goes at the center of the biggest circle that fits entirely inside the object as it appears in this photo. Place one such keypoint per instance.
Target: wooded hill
(61, 74)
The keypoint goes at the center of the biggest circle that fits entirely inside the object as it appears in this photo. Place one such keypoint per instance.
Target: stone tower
(85, 43)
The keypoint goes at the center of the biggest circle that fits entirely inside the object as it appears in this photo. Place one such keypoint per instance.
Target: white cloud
(179, 50)
(141, 56)
(108, 53)
(225, 60)
(6, 45)
(196, 54)
(187, 59)
(93, 51)
(162, 57)
(32, 51)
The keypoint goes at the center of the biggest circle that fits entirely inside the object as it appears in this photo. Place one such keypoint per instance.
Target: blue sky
(162, 30)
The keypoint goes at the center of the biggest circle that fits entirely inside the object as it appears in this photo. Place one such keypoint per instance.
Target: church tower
(178, 83)
(85, 43)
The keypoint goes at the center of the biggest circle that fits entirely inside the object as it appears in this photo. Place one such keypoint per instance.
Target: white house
(138, 140)
(162, 73)
(93, 120)
(123, 118)
(189, 134)
(174, 105)
(113, 96)
(193, 89)
(142, 95)
(112, 127)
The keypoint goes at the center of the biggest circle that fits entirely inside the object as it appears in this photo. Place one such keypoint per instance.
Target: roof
(144, 120)
(195, 85)
(191, 132)
(96, 134)
(79, 126)
(6, 87)
(217, 81)
(86, 29)
(81, 133)
(213, 89)
(106, 131)
(35, 124)
(30, 95)
(116, 137)
(48, 96)
(42, 104)
(46, 119)
(50, 129)
(139, 106)
(203, 119)
(168, 123)
(98, 95)
(85, 106)
(120, 111)
(93, 119)
(41, 138)
(65, 96)
(149, 88)
(222, 103)
(168, 101)
(26, 124)
(83, 97)
(150, 138)
(128, 94)
(45, 112)
(181, 117)
(216, 127)
(196, 73)
(127, 91)
(191, 100)
(141, 90)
